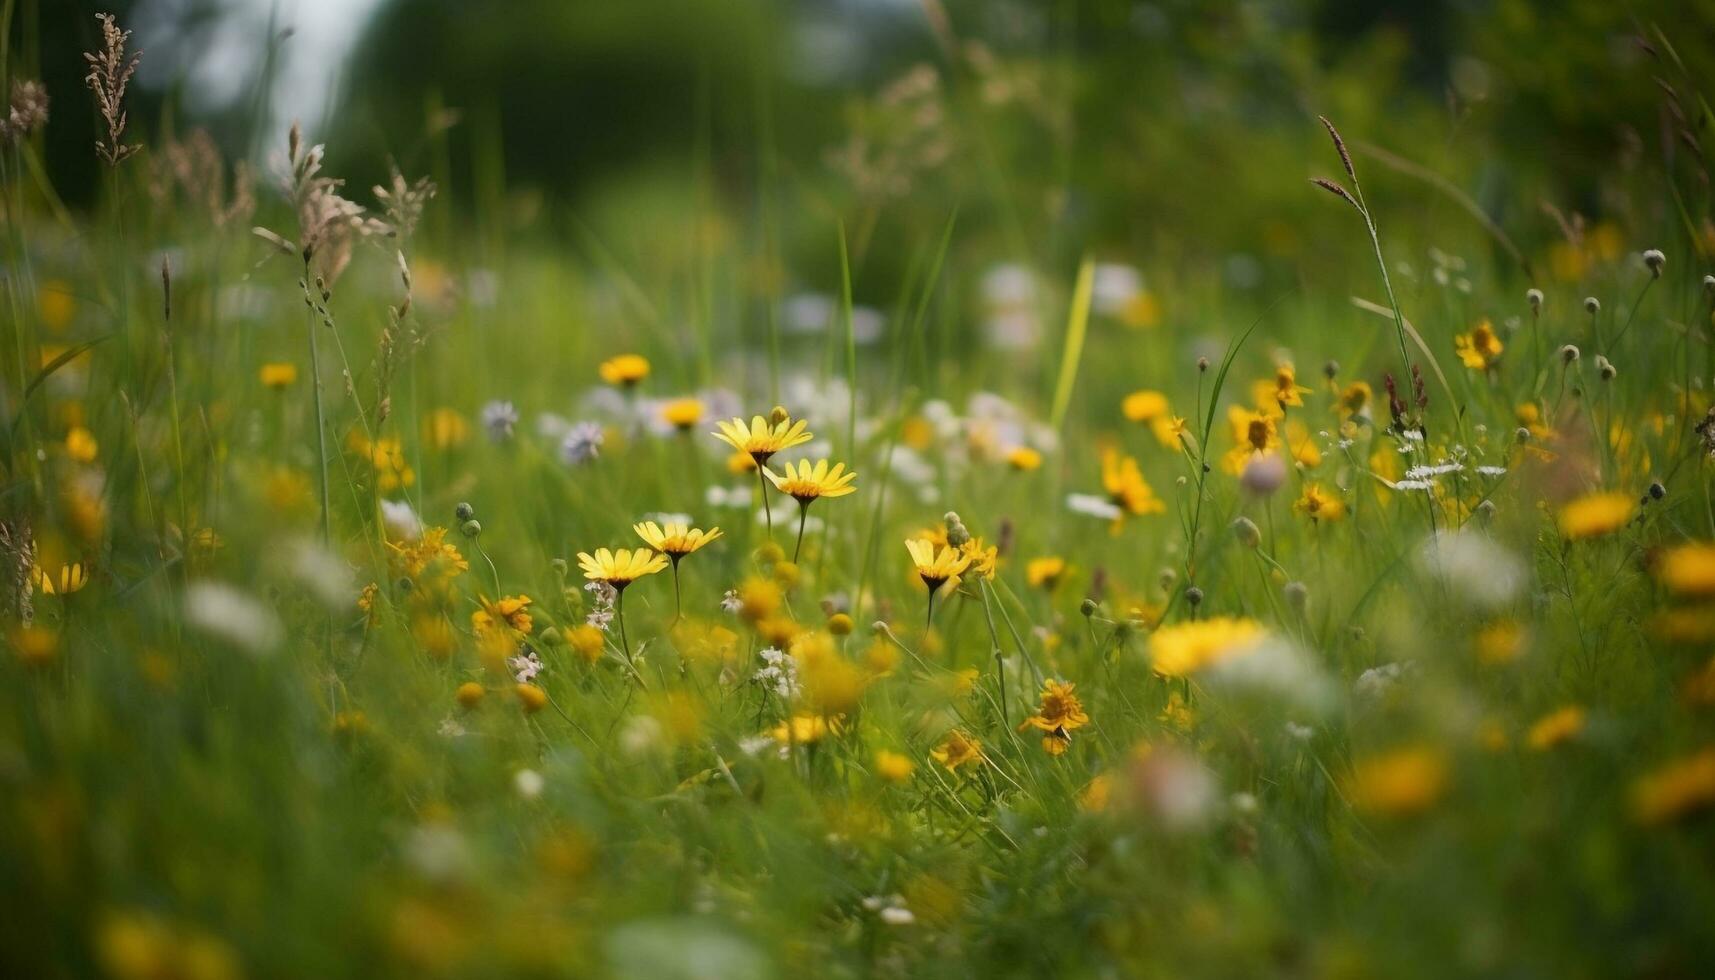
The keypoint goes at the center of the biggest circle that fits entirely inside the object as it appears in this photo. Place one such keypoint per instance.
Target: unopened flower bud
(1202, 364)
(1605, 368)
(1087, 608)
(1331, 370)
(1194, 596)
(1534, 298)
(464, 511)
(1568, 354)
(1657, 491)
(957, 533)
(1247, 532)
(1592, 305)
(1654, 260)
(840, 624)
(471, 529)
(1297, 595)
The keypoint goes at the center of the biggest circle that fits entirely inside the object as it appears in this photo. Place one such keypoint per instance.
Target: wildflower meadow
(1097, 489)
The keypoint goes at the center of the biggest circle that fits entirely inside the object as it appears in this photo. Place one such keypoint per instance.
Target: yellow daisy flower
(683, 414)
(1044, 573)
(1676, 790)
(893, 767)
(1398, 783)
(937, 567)
(81, 446)
(70, 577)
(1284, 389)
(763, 438)
(1126, 487)
(445, 428)
(1318, 504)
(622, 567)
(1556, 727)
(675, 540)
(804, 729)
(1057, 715)
(1144, 406)
(957, 749)
(1479, 349)
(1253, 435)
(1596, 514)
(279, 376)
(760, 441)
(983, 558)
(626, 369)
(1688, 570)
(807, 483)
(1024, 459)
(509, 612)
(1183, 649)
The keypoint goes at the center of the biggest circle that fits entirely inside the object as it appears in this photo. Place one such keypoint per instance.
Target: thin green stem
(994, 643)
(768, 515)
(321, 415)
(803, 515)
(678, 602)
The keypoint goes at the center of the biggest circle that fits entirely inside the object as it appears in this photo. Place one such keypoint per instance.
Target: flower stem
(768, 515)
(803, 514)
(321, 417)
(994, 643)
(678, 602)
(625, 644)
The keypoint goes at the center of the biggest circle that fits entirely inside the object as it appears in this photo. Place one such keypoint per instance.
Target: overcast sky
(218, 64)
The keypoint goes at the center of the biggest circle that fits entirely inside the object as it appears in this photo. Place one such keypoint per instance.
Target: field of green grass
(1340, 606)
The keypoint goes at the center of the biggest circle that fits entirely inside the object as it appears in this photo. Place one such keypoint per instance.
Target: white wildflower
(582, 443)
(1091, 505)
(324, 573)
(499, 418)
(400, 519)
(1471, 564)
(528, 783)
(232, 615)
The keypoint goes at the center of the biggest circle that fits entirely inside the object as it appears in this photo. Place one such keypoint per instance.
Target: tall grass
(304, 675)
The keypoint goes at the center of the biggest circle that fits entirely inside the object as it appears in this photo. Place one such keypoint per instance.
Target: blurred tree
(575, 92)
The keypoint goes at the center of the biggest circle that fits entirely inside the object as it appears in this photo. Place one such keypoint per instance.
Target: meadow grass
(1362, 628)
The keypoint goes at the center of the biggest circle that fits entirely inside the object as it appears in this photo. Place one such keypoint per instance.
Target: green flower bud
(1247, 532)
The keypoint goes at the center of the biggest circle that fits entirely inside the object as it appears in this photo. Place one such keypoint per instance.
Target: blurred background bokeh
(1075, 124)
